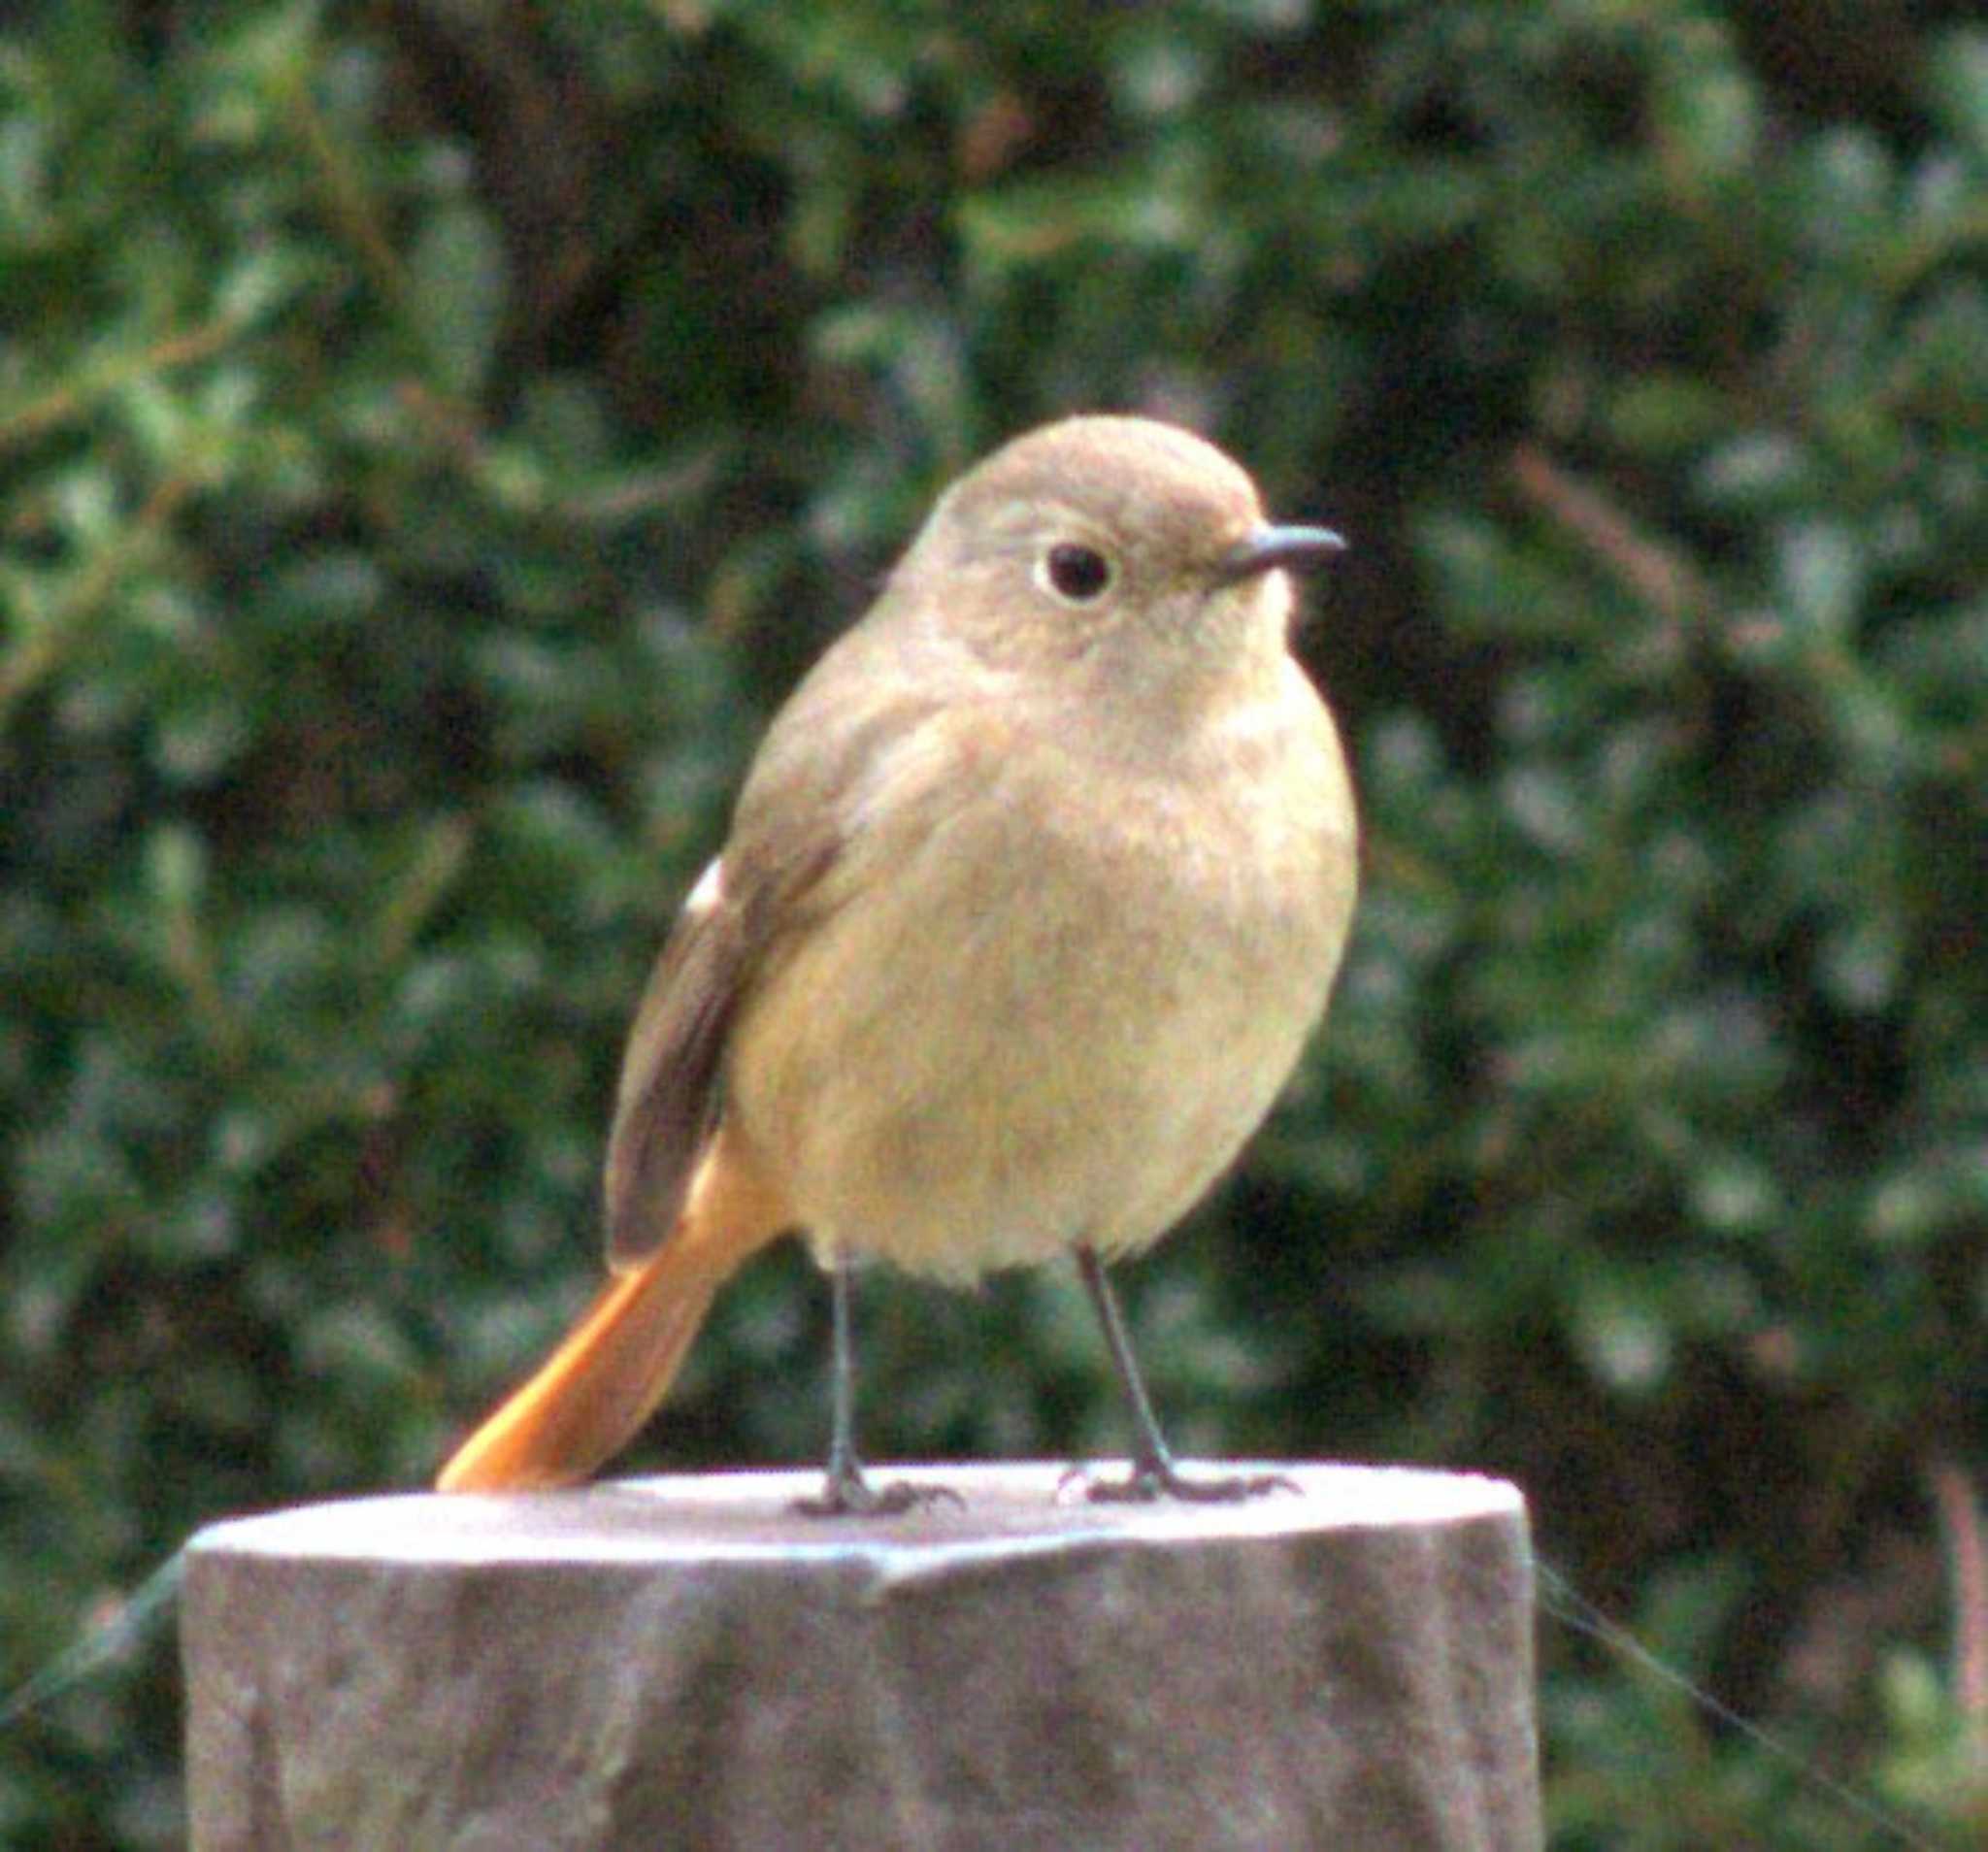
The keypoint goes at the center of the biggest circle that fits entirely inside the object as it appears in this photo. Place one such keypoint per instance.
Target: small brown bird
(1035, 890)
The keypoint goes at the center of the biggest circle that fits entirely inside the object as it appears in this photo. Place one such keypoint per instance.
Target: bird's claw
(846, 1492)
(1151, 1481)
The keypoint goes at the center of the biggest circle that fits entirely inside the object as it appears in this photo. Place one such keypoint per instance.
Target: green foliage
(432, 436)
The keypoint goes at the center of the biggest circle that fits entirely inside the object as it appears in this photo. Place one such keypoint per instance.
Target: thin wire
(104, 1644)
(1573, 1609)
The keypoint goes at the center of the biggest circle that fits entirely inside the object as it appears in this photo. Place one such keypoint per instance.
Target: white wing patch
(710, 889)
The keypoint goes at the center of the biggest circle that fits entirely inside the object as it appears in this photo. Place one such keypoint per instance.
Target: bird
(1033, 895)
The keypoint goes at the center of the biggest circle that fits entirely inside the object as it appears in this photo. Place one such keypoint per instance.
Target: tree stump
(685, 1662)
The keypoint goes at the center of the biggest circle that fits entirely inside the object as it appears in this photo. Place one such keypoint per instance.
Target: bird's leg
(1154, 1473)
(845, 1491)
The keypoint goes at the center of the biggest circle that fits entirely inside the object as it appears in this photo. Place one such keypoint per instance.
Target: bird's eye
(1076, 572)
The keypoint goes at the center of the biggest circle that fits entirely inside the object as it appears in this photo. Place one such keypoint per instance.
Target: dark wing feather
(672, 1089)
(669, 1096)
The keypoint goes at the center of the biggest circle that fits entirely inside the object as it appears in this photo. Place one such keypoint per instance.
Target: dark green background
(432, 436)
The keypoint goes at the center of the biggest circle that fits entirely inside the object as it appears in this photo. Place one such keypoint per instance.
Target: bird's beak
(1296, 549)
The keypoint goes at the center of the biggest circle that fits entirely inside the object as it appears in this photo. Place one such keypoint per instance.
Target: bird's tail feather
(593, 1395)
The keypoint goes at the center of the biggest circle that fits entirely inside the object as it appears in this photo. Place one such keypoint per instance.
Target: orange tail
(592, 1396)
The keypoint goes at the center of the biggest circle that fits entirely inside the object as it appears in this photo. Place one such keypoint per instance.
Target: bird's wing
(786, 866)
(672, 1089)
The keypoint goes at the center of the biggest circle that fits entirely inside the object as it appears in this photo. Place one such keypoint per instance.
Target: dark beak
(1295, 549)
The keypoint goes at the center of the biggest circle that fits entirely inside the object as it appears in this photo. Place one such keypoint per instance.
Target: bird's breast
(1050, 1001)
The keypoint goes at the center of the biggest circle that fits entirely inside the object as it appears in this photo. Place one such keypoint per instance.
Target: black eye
(1078, 572)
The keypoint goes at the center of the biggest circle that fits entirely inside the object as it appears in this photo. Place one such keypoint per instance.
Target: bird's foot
(1151, 1481)
(846, 1491)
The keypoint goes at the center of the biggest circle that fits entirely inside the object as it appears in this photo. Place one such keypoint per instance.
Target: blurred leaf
(456, 288)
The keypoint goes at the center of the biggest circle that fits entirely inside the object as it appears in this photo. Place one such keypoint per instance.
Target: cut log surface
(687, 1663)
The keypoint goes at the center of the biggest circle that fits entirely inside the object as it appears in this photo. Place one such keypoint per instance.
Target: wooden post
(682, 1664)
